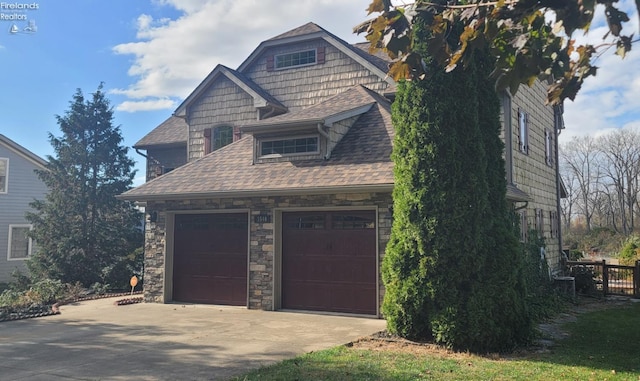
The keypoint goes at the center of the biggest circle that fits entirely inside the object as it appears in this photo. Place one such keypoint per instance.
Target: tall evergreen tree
(83, 233)
(451, 268)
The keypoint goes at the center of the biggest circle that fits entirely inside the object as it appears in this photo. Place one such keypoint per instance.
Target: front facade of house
(19, 186)
(285, 198)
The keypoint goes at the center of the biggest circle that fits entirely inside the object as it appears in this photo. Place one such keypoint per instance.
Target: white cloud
(171, 56)
(611, 99)
(146, 105)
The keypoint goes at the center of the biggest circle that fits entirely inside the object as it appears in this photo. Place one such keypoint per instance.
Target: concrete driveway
(96, 340)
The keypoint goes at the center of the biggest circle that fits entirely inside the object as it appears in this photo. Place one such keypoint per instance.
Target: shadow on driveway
(96, 340)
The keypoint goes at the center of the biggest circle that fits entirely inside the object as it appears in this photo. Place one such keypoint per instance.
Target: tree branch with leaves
(529, 39)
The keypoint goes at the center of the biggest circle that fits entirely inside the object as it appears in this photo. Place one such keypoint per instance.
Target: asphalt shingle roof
(353, 98)
(362, 158)
(172, 131)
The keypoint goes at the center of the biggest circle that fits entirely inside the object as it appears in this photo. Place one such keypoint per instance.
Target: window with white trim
(19, 242)
(290, 146)
(306, 57)
(523, 132)
(4, 175)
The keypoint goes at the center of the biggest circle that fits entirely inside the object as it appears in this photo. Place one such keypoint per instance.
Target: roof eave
(388, 187)
(25, 153)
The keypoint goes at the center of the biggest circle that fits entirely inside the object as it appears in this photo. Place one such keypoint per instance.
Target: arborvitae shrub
(453, 266)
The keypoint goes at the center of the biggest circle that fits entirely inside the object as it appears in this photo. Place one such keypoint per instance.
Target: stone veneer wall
(261, 242)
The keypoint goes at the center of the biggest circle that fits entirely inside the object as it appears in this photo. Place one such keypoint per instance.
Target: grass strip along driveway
(601, 345)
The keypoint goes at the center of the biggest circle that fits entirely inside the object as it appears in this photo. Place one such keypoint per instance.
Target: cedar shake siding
(298, 88)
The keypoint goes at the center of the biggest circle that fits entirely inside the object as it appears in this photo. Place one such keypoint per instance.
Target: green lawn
(603, 345)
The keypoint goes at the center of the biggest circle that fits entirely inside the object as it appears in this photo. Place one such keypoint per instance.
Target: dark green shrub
(453, 265)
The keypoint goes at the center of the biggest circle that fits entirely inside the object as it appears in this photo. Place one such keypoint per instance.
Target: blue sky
(151, 53)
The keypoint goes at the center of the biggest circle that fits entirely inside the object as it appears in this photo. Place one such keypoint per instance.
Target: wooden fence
(609, 279)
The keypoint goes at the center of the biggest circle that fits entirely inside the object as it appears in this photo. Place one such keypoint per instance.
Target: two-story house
(285, 198)
(19, 186)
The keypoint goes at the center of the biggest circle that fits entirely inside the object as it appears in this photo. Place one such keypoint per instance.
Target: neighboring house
(285, 202)
(19, 186)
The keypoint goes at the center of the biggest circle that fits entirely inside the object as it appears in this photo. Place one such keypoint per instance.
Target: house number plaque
(262, 219)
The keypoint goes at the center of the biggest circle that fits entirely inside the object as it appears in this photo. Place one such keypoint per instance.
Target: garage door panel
(210, 258)
(329, 261)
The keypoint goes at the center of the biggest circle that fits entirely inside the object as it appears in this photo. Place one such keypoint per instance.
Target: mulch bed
(36, 311)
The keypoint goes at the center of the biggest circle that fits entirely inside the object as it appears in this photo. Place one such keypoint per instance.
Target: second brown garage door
(210, 258)
(329, 261)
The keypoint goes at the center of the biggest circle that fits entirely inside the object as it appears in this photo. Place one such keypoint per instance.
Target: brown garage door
(329, 261)
(210, 258)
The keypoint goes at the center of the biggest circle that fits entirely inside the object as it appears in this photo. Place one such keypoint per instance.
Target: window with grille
(19, 242)
(222, 136)
(307, 57)
(293, 146)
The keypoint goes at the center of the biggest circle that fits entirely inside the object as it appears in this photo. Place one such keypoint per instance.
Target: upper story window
(315, 56)
(548, 147)
(218, 137)
(4, 174)
(523, 132)
(291, 146)
(306, 57)
(19, 242)
(222, 136)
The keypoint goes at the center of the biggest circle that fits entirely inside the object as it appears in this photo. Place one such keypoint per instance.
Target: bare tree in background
(621, 167)
(579, 157)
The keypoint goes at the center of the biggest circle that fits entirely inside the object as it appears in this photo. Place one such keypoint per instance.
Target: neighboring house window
(19, 242)
(540, 222)
(4, 175)
(289, 146)
(523, 131)
(554, 225)
(296, 59)
(548, 147)
(218, 137)
(524, 225)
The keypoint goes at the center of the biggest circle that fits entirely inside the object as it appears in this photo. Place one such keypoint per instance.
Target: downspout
(559, 121)
(322, 132)
(268, 114)
(149, 158)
